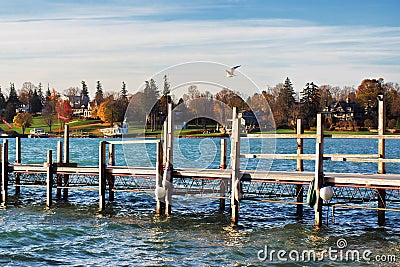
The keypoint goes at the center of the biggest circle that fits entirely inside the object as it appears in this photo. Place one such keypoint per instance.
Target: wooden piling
(160, 206)
(319, 172)
(102, 176)
(235, 167)
(4, 173)
(223, 184)
(59, 176)
(49, 179)
(299, 167)
(170, 157)
(66, 160)
(17, 161)
(381, 155)
(111, 178)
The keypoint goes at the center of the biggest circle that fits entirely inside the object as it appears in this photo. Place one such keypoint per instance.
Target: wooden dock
(379, 191)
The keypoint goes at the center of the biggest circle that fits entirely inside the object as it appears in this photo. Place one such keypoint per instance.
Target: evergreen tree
(40, 93)
(2, 102)
(149, 102)
(285, 104)
(166, 90)
(48, 93)
(13, 97)
(12, 104)
(35, 102)
(310, 101)
(124, 91)
(99, 97)
(85, 91)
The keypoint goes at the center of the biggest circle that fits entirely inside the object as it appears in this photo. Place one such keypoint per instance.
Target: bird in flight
(229, 73)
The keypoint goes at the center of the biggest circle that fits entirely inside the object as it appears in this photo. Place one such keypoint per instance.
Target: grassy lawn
(91, 126)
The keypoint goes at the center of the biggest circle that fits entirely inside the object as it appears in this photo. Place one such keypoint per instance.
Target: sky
(60, 43)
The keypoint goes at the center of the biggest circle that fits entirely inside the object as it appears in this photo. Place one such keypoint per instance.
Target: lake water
(197, 234)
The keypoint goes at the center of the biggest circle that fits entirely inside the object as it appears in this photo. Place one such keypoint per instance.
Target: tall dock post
(160, 206)
(66, 160)
(235, 166)
(169, 157)
(111, 178)
(381, 155)
(4, 173)
(299, 167)
(59, 176)
(17, 161)
(223, 185)
(319, 171)
(102, 176)
(49, 179)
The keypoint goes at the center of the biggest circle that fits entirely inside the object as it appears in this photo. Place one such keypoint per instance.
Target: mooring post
(170, 157)
(59, 176)
(319, 171)
(49, 178)
(111, 178)
(223, 185)
(381, 155)
(299, 166)
(102, 176)
(160, 206)
(235, 167)
(18, 161)
(165, 143)
(4, 173)
(66, 160)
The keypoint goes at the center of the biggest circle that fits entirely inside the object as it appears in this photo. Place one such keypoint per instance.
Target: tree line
(31, 100)
(149, 106)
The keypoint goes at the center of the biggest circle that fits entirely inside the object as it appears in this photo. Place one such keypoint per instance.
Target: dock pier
(229, 182)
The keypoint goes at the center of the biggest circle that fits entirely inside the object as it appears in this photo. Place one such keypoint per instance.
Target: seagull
(229, 73)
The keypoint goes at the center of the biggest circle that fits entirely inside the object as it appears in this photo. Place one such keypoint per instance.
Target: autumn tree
(64, 111)
(109, 111)
(48, 115)
(23, 120)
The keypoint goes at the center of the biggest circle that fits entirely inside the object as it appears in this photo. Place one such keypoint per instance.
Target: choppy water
(197, 234)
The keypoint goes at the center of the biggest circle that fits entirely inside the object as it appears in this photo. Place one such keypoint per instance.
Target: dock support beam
(299, 167)
(4, 173)
(17, 161)
(59, 176)
(102, 176)
(66, 160)
(381, 155)
(160, 206)
(319, 171)
(111, 178)
(235, 166)
(223, 185)
(170, 157)
(49, 179)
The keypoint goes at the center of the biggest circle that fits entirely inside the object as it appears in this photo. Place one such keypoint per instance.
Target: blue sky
(328, 42)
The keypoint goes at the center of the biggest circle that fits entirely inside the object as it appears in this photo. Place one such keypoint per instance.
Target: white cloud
(111, 49)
